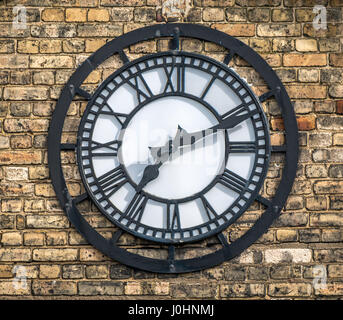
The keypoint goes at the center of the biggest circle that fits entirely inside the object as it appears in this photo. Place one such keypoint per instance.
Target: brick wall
(36, 239)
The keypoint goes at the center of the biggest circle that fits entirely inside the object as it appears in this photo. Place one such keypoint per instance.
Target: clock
(173, 148)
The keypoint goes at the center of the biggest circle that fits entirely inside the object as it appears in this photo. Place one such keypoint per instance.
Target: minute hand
(228, 123)
(183, 138)
(234, 120)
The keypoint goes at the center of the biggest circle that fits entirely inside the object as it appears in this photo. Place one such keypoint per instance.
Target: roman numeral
(181, 78)
(135, 209)
(210, 212)
(208, 87)
(242, 147)
(232, 181)
(242, 108)
(173, 218)
(112, 181)
(142, 89)
(169, 84)
(107, 110)
(112, 145)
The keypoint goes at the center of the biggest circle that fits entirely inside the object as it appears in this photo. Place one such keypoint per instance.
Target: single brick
(288, 255)
(242, 290)
(48, 288)
(28, 46)
(213, 14)
(290, 289)
(33, 239)
(100, 288)
(55, 254)
(98, 15)
(97, 272)
(237, 29)
(47, 271)
(53, 14)
(72, 271)
(11, 239)
(76, 15)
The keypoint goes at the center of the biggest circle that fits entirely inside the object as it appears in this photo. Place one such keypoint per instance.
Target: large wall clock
(173, 148)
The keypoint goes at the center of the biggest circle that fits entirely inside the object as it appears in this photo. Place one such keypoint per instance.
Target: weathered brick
(91, 255)
(242, 290)
(336, 59)
(98, 15)
(33, 239)
(43, 77)
(7, 222)
(279, 30)
(99, 288)
(50, 46)
(323, 187)
(336, 91)
(20, 157)
(11, 239)
(286, 235)
(51, 221)
(307, 59)
(14, 61)
(53, 30)
(48, 288)
(259, 14)
(76, 15)
(6, 46)
(237, 29)
(53, 14)
(72, 271)
(331, 289)
(112, 30)
(316, 203)
(26, 93)
(6, 271)
(326, 219)
(282, 15)
(306, 92)
(288, 255)
(97, 272)
(26, 125)
(327, 45)
(193, 290)
(37, 61)
(306, 75)
(12, 255)
(290, 289)
(28, 46)
(55, 254)
(47, 271)
(8, 289)
(332, 235)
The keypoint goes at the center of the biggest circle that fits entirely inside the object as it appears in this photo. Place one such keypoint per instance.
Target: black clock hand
(183, 138)
(150, 173)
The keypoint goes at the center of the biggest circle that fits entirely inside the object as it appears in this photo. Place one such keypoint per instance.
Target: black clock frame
(200, 233)
(273, 207)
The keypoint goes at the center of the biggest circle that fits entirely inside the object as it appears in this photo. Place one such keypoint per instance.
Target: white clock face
(199, 188)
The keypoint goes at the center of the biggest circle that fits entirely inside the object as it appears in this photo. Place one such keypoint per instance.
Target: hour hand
(150, 173)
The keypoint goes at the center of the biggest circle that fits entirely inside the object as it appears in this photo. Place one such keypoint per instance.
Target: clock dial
(173, 147)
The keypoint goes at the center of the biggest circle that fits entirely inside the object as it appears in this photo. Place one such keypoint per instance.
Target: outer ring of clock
(273, 207)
